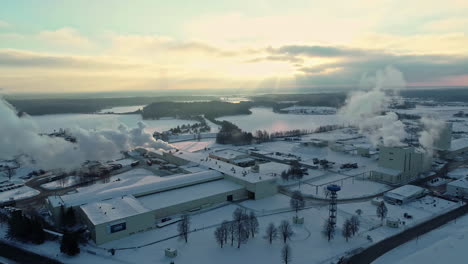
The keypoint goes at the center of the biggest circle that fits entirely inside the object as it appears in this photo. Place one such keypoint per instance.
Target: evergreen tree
(69, 244)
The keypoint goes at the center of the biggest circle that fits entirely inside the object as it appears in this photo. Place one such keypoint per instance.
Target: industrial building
(458, 188)
(233, 156)
(443, 143)
(399, 165)
(136, 204)
(404, 194)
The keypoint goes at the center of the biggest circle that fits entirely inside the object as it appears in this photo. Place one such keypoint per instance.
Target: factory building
(398, 165)
(136, 204)
(458, 188)
(404, 194)
(443, 143)
(233, 157)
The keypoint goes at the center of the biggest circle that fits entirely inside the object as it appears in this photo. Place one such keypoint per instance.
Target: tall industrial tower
(333, 188)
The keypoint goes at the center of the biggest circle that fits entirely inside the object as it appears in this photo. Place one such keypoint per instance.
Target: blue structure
(333, 188)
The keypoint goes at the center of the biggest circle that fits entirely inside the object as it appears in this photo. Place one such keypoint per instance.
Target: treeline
(88, 105)
(317, 99)
(210, 110)
(232, 134)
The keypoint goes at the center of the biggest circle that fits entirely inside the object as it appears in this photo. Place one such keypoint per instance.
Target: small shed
(393, 222)
(170, 252)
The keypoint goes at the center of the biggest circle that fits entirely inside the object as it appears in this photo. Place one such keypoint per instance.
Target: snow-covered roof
(224, 167)
(461, 183)
(187, 194)
(113, 209)
(458, 144)
(228, 154)
(133, 186)
(404, 191)
(273, 167)
(388, 171)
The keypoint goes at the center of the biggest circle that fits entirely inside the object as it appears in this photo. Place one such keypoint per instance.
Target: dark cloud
(353, 63)
(318, 51)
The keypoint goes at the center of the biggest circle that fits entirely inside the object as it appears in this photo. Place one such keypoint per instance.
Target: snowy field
(202, 247)
(122, 109)
(308, 244)
(446, 244)
(62, 183)
(49, 123)
(266, 119)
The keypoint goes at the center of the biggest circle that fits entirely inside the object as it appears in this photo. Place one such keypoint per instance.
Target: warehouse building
(399, 165)
(458, 188)
(136, 204)
(404, 194)
(235, 157)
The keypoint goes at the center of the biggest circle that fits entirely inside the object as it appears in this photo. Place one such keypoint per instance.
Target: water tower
(333, 188)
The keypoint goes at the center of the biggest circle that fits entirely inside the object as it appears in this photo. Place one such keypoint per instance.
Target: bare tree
(271, 232)
(231, 230)
(329, 229)
(225, 226)
(355, 224)
(241, 231)
(184, 227)
(10, 171)
(382, 211)
(253, 224)
(220, 233)
(286, 254)
(297, 201)
(347, 230)
(285, 230)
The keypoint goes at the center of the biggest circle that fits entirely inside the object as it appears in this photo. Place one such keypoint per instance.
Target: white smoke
(364, 108)
(431, 133)
(20, 136)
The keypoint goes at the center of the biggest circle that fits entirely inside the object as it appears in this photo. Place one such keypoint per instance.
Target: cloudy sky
(107, 45)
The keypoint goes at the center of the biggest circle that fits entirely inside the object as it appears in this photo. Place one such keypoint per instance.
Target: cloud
(17, 58)
(4, 24)
(154, 44)
(348, 65)
(65, 36)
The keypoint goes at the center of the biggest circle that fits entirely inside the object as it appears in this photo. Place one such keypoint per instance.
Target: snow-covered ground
(266, 119)
(446, 244)
(308, 244)
(62, 183)
(49, 123)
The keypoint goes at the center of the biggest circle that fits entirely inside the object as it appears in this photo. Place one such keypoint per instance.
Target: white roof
(459, 143)
(187, 194)
(113, 209)
(461, 183)
(133, 186)
(388, 171)
(404, 191)
(224, 167)
(228, 154)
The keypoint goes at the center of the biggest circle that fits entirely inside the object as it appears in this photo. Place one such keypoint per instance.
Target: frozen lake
(49, 123)
(122, 109)
(265, 119)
